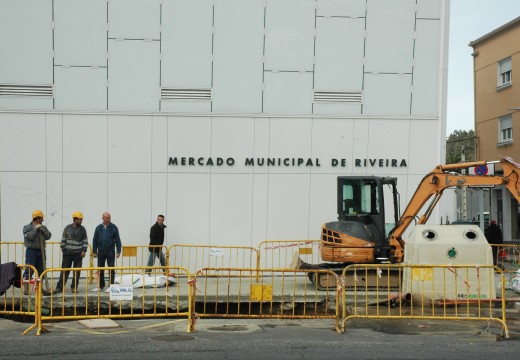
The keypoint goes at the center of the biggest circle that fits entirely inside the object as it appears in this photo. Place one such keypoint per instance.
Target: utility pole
(464, 197)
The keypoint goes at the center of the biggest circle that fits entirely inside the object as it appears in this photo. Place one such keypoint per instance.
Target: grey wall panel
(426, 68)
(26, 42)
(186, 43)
(80, 32)
(429, 9)
(387, 94)
(336, 108)
(238, 50)
(351, 8)
(134, 19)
(26, 102)
(339, 54)
(186, 106)
(390, 32)
(80, 88)
(133, 76)
(289, 38)
(288, 92)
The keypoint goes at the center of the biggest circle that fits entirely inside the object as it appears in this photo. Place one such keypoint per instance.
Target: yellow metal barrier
(280, 253)
(137, 255)
(135, 294)
(442, 292)
(264, 293)
(506, 257)
(15, 251)
(195, 257)
(21, 299)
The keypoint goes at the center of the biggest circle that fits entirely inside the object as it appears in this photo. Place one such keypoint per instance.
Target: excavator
(361, 236)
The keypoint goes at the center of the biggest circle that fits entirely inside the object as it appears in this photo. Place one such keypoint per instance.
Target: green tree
(455, 143)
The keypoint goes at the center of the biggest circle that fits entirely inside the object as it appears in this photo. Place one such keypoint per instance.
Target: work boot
(26, 288)
(57, 291)
(45, 292)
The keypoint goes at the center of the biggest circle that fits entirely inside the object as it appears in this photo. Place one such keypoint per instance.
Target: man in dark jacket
(106, 238)
(156, 242)
(494, 237)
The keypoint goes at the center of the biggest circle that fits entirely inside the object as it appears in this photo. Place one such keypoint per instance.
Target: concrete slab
(99, 324)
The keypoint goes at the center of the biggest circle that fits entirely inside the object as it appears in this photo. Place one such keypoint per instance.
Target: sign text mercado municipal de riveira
(282, 162)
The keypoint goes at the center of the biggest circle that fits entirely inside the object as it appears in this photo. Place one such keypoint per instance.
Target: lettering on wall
(285, 162)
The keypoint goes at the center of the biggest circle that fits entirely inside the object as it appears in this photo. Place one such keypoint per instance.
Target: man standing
(494, 235)
(156, 241)
(35, 234)
(106, 237)
(74, 245)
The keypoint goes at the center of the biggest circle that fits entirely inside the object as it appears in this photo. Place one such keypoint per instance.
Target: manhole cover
(173, 338)
(230, 328)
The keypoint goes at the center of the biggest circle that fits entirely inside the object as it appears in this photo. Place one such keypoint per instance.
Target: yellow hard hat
(37, 213)
(77, 214)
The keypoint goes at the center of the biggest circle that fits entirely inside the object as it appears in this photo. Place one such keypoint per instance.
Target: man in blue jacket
(106, 238)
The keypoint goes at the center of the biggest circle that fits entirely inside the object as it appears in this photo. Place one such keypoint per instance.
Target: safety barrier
(441, 292)
(21, 299)
(263, 293)
(281, 253)
(506, 257)
(194, 257)
(135, 294)
(137, 255)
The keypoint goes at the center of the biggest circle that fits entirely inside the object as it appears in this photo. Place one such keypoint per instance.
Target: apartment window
(505, 133)
(504, 72)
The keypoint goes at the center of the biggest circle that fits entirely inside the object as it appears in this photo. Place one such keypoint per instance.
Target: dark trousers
(70, 261)
(110, 258)
(33, 257)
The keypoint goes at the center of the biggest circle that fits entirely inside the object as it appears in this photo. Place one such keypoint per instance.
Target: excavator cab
(360, 234)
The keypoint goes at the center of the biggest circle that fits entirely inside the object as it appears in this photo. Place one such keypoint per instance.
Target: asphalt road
(260, 339)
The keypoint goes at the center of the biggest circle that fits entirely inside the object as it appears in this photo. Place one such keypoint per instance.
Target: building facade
(497, 111)
(233, 118)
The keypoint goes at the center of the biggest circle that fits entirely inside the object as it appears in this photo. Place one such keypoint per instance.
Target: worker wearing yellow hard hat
(35, 234)
(74, 245)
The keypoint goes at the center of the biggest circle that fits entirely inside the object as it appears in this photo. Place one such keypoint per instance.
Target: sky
(469, 20)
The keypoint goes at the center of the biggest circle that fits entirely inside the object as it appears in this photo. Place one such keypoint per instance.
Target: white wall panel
(159, 200)
(262, 140)
(360, 139)
(418, 140)
(26, 103)
(388, 140)
(134, 19)
(426, 68)
(189, 137)
(85, 143)
(186, 43)
(339, 54)
(130, 206)
(22, 193)
(188, 208)
(80, 32)
(237, 143)
(288, 92)
(54, 142)
(352, 8)
(22, 142)
(238, 50)
(80, 88)
(323, 203)
(26, 42)
(430, 9)
(336, 108)
(290, 138)
(133, 79)
(289, 39)
(387, 94)
(231, 209)
(288, 207)
(390, 31)
(332, 139)
(86, 192)
(130, 144)
(186, 106)
(159, 143)
(55, 216)
(260, 208)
